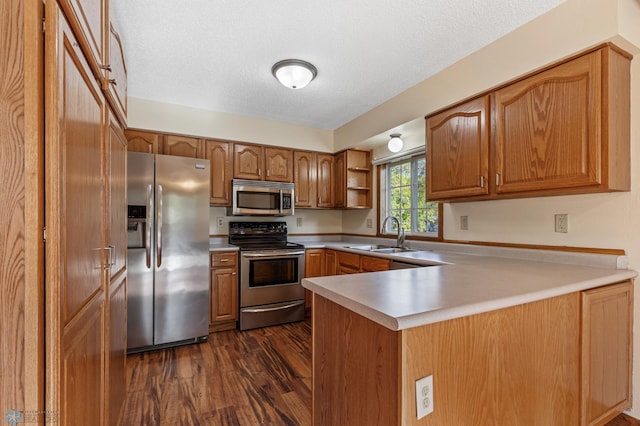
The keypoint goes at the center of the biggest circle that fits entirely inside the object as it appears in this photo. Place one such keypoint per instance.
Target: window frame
(382, 194)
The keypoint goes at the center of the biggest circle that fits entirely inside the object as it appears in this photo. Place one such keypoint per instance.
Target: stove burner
(260, 236)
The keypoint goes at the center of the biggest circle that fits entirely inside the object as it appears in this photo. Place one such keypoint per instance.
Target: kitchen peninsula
(507, 340)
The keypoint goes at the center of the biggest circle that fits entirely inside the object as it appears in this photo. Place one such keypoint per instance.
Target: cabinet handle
(268, 173)
(224, 260)
(481, 181)
(259, 172)
(233, 273)
(106, 67)
(497, 179)
(113, 81)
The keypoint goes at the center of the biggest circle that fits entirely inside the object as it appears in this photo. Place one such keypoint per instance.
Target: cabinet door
(607, 325)
(247, 161)
(74, 217)
(117, 362)
(330, 262)
(138, 141)
(458, 151)
(304, 178)
(116, 81)
(219, 155)
(547, 131)
(224, 294)
(314, 267)
(340, 170)
(347, 263)
(117, 196)
(90, 22)
(278, 164)
(326, 180)
(182, 146)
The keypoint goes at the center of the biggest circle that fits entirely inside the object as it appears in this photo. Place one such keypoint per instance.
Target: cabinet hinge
(44, 234)
(44, 25)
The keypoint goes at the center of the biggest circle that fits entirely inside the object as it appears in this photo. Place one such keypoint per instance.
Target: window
(403, 195)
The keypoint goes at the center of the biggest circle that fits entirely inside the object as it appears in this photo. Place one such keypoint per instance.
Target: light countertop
(462, 283)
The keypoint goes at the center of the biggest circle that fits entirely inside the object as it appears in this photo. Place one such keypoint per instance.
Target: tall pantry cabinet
(85, 197)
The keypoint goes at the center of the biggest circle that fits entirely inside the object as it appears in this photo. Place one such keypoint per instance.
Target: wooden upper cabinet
(248, 161)
(89, 20)
(556, 129)
(139, 141)
(116, 81)
(278, 164)
(219, 155)
(358, 179)
(305, 178)
(326, 180)
(562, 130)
(340, 171)
(182, 146)
(458, 151)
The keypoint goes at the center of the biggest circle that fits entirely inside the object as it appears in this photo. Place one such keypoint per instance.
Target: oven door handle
(277, 308)
(286, 254)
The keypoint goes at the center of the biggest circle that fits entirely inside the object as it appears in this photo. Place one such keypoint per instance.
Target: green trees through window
(406, 196)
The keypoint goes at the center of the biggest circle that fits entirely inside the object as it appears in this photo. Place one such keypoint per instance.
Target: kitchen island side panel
(356, 366)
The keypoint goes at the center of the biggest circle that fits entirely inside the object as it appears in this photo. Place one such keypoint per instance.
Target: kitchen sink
(379, 248)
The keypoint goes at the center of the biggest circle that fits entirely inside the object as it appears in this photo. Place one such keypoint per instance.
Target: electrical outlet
(220, 222)
(369, 223)
(298, 222)
(562, 223)
(464, 223)
(424, 396)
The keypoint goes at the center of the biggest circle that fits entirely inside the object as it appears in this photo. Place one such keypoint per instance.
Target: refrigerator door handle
(159, 228)
(149, 226)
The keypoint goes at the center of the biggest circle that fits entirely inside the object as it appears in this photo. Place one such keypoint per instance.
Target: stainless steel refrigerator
(168, 251)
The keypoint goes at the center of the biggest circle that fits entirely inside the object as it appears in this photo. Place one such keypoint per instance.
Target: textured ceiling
(217, 54)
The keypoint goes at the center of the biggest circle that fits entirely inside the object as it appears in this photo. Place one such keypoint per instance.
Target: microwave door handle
(281, 197)
(159, 228)
(148, 226)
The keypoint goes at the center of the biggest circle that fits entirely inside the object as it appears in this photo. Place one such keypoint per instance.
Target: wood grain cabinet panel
(330, 262)
(182, 146)
(143, 141)
(305, 178)
(607, 324)
(326, 180)
(373, 264)
(117, 348)
(314, 267)
(248, 161)
(340, 190)
(117, 196)
(223, 309)
(89, 20)
(278, 164)
(347, 263)
(358, 179)
(219, 155)
(458, 153)
(115, 83)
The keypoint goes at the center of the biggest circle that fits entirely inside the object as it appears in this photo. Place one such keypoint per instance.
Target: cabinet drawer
(373, 264)
(350, 260)
(224, 259)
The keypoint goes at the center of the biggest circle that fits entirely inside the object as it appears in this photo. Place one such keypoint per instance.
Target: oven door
(271, 276)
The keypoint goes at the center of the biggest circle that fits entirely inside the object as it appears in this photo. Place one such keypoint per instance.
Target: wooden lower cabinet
(559, 361)
(373, 264)
(607, 315)
(117, 361)
(223, 308)
(330, 262)
(314, 267)
(351, 263)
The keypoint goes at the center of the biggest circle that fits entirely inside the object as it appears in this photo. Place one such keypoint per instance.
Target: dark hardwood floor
(255, 377)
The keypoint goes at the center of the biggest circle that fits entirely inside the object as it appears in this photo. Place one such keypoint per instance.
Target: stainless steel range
(271, 272)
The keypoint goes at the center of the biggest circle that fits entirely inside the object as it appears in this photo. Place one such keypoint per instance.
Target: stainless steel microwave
(261, 198)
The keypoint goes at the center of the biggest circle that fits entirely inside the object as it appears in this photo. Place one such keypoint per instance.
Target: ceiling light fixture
(294, 73)
(395, 143)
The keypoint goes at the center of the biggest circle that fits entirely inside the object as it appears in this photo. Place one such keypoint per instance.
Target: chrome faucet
(400, 239)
